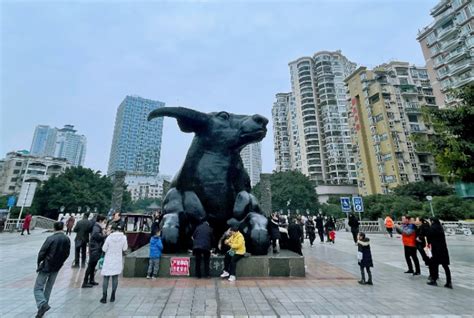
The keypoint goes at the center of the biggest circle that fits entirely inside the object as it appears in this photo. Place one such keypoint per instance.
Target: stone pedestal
(284, 264)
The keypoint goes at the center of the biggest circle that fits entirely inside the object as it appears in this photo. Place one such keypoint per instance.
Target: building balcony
(447, 32)
(460, 67)
(456, 55)
(464, 81)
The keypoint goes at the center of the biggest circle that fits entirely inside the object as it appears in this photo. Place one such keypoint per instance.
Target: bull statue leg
(253, 223)
(182, 210)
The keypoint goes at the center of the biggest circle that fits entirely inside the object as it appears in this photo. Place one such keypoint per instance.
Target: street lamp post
(430, 198)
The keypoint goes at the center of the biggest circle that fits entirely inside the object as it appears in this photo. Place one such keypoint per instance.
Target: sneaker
(224, 274)
(148, 277)
(42, 310)
(154, 277)
(231, 278)
(87, 285)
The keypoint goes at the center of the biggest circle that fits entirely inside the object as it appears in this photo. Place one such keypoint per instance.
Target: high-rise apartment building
(448, 46)
(136, 143)
(59, 143)
(385, 116)
(281, 140)
(252, 159)
(317, 121)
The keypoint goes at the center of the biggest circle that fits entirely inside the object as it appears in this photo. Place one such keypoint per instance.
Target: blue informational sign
(11, 201)
(346, 204)
(358, 204)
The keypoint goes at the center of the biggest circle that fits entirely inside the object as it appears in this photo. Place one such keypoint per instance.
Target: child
(365, 258)
(156, 247)
(332, 236)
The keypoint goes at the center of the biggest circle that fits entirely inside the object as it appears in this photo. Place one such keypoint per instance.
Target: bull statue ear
(189, 120)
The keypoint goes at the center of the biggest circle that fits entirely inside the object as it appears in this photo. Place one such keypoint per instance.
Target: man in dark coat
(354, 225)
(320, 227)
(273, 228)
(51, 257)
(422, 229)
(295, 233)
(95, 250)
(202, 243)
(310, 228)
(440, 254)
(82, 229)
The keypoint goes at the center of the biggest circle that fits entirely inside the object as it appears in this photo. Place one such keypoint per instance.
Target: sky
(74, 62)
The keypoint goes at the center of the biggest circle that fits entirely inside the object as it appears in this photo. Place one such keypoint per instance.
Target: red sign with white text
(179, 266)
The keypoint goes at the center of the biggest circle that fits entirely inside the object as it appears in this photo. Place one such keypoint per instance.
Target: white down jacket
(114, 246)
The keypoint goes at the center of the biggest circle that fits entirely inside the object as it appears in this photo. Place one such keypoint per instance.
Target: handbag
(101, 262)
(428, 252)
(231, 252)
(359, 256)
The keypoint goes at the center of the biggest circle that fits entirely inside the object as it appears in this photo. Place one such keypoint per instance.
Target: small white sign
(26, 194)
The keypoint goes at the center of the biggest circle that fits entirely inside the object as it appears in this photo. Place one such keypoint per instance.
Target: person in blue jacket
(156, 247)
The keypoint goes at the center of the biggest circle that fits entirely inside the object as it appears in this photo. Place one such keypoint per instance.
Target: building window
(13, 179)
(16, 171)
(18, 164)
(11, 188)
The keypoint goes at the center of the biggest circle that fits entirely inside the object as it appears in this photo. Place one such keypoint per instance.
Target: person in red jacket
(26, 224)
(407, 230)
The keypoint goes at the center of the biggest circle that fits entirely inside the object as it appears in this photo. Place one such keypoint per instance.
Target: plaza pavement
(330, 288)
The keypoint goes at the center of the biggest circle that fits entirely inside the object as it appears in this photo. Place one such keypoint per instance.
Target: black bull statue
(212, 184)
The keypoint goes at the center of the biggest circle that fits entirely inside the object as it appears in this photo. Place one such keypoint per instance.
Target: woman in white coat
(114, 246)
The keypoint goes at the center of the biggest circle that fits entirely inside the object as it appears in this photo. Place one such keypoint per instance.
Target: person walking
(388, 222)
(95, 250)
(310, 228)
(70, 224)
(354, 225)
(440, 254)
(364, 256)
(156, 248)
(114, 246)
(320, 227)
(328, 227)
(273, 229)
(295, 233)
(236, 242)
(422, 229)
(82, 229)
(202, 244)
(407, 230)
(26, 224)
(51, 257)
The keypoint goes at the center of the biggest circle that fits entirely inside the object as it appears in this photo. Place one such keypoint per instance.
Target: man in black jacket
(295, 233)
(354, 225)
(320, 227)
(95, 250)
(202, 243)
(51, 257)
(82, 229)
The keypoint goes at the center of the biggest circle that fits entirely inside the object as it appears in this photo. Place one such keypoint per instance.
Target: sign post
(358, 205)
(25, 198)
(10, 203)
(345, 204)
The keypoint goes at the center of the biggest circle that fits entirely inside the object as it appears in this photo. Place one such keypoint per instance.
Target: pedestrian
(82, 229)
(354, 225)
(26, 224)
(70, 224)
(301, 222)
(407, 230)
(236, 242)
(274, 231)
(114, 246)
(320, 227)
(117, 219)
(422, 229)
(295, 233)
(97, 239)
(51, 257)
(310, 228)
(156, 248)
(389, 225)
(440, 254)
(155, 226)
(364, 256)
(328, 227)
(202, 244)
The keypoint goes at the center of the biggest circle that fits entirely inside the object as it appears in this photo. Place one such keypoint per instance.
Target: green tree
(76, 187)
(380, 205)
(291, 190)
(453, 142)
(451, 208)
(419, 190)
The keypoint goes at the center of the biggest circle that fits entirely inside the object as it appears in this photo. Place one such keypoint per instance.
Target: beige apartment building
(384, 114)
(20, 166)
(448, 47)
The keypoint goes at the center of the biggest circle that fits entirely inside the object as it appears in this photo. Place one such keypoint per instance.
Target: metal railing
(36, 222)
